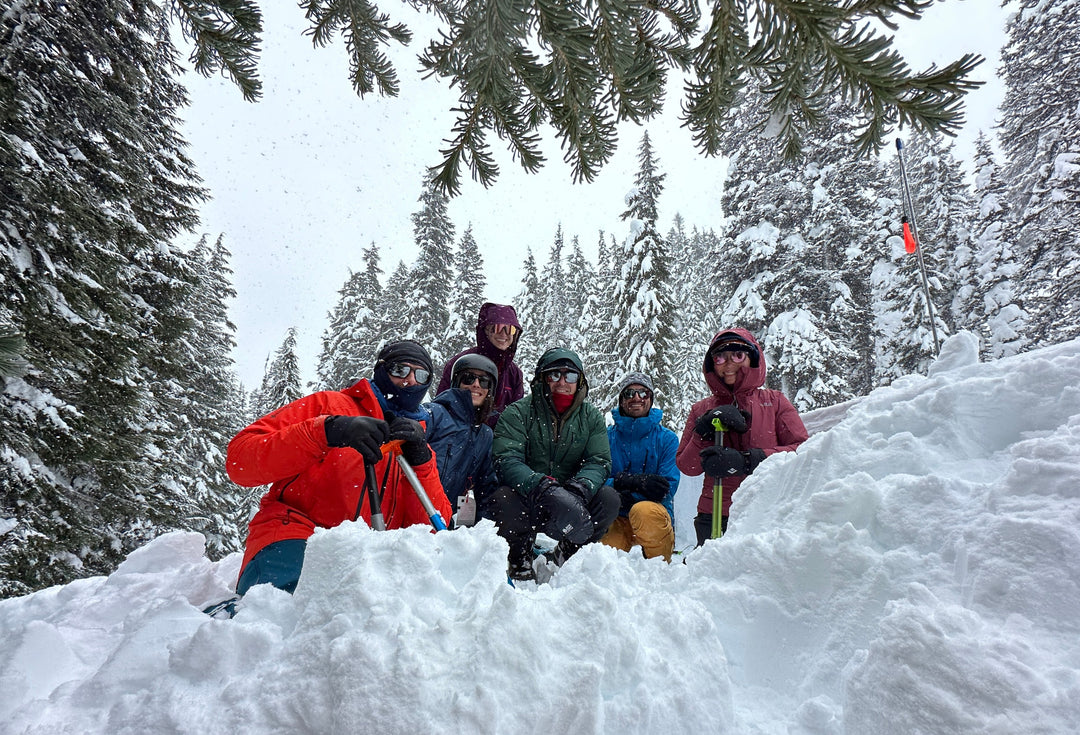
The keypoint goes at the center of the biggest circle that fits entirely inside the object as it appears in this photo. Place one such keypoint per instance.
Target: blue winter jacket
(462, 448)
(643, 446)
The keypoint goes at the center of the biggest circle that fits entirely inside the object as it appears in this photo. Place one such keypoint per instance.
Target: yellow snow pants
(648, 525)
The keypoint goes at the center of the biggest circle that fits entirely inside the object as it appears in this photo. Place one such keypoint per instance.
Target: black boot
(563, 551)
(520, 568)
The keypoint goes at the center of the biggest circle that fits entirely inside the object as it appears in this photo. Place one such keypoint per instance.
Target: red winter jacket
(316, 486)
(775, 425)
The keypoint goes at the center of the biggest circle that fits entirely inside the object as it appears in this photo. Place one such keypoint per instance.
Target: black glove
(579, 488)
(753, 459)
(730, 416)
(725, 461)
(650, 487)
(414, 446)
(365, 434)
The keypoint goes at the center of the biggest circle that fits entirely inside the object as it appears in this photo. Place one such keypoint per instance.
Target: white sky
(914, 568)
(310, 175)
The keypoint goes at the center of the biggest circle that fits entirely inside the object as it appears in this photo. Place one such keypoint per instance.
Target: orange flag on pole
(909, 239)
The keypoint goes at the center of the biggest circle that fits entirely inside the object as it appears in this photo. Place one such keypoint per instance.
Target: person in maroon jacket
(497, 334)
(757, 421)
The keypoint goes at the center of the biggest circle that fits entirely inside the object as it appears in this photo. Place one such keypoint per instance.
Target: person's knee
(604, 507)
(278, 564)
(567, 517)
(648, 513)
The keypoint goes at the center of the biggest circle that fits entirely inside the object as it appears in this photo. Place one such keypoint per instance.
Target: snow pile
(914, 568)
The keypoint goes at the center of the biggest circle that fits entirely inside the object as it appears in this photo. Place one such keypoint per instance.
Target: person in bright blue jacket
(460, 437)
(643, 471)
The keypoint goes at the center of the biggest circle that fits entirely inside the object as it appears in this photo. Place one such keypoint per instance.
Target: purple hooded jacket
(511, 385)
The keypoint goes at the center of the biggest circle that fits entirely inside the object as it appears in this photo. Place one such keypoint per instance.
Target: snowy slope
(913, 568)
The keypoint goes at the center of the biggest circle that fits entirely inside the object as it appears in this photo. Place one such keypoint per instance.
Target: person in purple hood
(497, 333)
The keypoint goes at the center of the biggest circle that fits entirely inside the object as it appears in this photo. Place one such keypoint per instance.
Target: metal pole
(436, 519)
(377, 522)
(909, 205)
(718, 486)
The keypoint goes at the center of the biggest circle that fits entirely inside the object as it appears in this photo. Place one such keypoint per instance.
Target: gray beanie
(632, 378)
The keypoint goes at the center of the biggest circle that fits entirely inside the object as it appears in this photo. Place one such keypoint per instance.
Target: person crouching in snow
(313, 453)
(757, 422)
(643, 471)
(461, 438)
(552, 458)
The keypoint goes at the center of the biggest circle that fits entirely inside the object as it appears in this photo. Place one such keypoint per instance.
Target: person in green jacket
(552, 457)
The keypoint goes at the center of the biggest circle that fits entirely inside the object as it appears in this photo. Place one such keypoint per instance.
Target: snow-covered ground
(914, 568)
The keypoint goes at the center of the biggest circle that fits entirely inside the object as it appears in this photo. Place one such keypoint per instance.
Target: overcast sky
(306, 178)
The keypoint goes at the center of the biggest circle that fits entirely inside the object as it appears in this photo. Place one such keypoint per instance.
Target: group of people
(546, 462)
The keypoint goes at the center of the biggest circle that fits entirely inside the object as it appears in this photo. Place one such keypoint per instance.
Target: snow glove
(579, 488)
(650, 487)
(365, 434)
(414, 446)
(725, 461)
(731, 416)
(563, 512)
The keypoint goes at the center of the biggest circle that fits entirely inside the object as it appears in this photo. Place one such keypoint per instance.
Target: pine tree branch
(582, 66)
(365, 30)
(226, 38)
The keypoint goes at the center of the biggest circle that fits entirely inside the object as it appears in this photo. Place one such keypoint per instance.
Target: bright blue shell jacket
(644, 447)
(462, 448)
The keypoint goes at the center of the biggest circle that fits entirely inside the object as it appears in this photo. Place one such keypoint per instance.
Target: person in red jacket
(313, 451)
(757, 421)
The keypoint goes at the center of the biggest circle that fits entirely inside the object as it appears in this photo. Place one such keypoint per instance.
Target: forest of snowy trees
(118, 389)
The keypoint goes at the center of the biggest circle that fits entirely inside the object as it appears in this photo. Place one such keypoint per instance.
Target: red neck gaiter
(561, 401)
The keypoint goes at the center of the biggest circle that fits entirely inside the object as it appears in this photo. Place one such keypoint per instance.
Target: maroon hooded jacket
(511, 385)
(775, 425)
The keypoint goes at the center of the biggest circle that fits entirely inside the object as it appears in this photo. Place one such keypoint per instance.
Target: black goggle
(401, 370)
(570, 376)
(470, 378)
(642, 393)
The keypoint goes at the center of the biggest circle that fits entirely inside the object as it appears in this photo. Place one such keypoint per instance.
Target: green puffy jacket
(533, 442)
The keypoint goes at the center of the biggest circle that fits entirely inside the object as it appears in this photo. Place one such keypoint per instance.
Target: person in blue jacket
(460, 437)
(643, 471)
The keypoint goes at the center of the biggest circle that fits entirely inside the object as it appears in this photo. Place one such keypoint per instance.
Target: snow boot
(520, 568)
(563, 551)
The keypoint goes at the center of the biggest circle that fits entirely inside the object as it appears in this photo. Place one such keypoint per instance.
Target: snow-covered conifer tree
(427, 303)
(95, 185)
(529, 307)
(468, 294)
(593, 329)
(1040, 136)
(351, 340)
(1001, 321)
(281, 383)
(643, 311)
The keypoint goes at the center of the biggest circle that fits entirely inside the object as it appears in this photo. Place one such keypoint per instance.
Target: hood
(549, 358)
(496, 314)
(749, 379)
(636, 428)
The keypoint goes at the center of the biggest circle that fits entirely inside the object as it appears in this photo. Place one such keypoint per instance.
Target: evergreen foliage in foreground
(583, 67)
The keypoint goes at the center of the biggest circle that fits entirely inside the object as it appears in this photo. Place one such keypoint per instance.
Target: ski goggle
(402, 370)
(642, 393)
(508, 329)
(735, 356)
(554, 376)
(485, 381)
